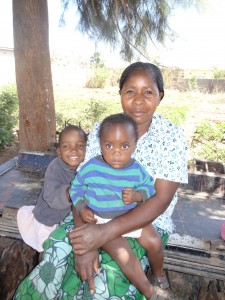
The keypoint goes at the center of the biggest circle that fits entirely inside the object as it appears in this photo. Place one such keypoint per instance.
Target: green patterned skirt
(55, 277)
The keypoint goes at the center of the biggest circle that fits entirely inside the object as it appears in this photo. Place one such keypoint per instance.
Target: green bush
(114, 76)
(176, 115)
(60, 121)
(8, 114)
(193, 83)
(218, 73)
(98, 78)
(94, 112)
(171, 76)
(208, 141)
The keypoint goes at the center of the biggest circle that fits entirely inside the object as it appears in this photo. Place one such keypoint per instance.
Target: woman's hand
(88, 237)
(86, 266)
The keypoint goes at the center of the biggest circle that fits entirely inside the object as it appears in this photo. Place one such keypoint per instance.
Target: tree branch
(146, 30)
(125, 6)
(93, 6)
(118, 27)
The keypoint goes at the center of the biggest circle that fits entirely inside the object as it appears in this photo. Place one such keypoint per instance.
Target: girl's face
(117, 144)
(72, 148)
(139, 98)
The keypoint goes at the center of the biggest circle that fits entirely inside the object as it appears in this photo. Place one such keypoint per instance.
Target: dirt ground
(9, 152)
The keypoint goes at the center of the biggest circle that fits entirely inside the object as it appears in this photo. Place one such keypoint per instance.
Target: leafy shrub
(171, 75)
(193, 83)
(114, 76)
(208, 141)
(60, 121)
(8, 114)
(176, 115)
(217, 73)
(98, 78)
(94, 112)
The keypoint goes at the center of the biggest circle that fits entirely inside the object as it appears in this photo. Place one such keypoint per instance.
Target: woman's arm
(93, 236)
(88, 264)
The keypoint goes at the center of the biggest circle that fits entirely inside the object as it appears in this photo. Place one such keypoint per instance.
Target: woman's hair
(151, 68)
(120, 119)
(72, 127)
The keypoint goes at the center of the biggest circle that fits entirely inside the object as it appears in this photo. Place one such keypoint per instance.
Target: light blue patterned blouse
(162, 151)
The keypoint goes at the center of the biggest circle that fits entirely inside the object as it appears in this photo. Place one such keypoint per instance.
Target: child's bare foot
(161, 286)
(160, 294)
(150, 293)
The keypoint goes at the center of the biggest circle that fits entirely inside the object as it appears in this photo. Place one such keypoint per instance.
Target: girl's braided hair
(151, 68)
(72, 127)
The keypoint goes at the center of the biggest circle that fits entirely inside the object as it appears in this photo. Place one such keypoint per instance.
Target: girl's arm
(55, 188)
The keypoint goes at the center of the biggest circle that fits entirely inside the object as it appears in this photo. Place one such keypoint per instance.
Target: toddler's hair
(72, 127)
(118, 119)
(151, 68)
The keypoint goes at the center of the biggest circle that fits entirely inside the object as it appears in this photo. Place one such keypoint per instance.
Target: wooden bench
(21, 180)
(194, 256)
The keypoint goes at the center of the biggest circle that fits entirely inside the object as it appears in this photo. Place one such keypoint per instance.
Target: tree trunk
(37, 125)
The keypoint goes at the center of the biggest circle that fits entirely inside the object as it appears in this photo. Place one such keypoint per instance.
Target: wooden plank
(211, 183)
(18, 188)
(8, 227)
(210, 267)
(192, 270)
(8, 165)
(7, 234)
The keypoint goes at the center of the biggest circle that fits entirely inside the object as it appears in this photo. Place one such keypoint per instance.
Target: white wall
(7, 66)
(68, 74)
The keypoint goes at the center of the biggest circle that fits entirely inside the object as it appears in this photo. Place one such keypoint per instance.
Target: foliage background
(200, 114)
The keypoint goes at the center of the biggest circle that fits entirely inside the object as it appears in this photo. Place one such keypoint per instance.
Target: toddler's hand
(87, 215)
(129, 196)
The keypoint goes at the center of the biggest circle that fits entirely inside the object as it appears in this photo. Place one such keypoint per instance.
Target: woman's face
(139, 98)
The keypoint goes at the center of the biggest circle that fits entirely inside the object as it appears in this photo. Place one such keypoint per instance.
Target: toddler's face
(117, 145)
(72, 148)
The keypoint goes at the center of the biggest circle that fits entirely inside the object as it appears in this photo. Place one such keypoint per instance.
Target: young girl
(35, 223)
(110, 185)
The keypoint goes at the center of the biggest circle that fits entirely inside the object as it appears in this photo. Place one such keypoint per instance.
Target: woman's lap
(55, 277)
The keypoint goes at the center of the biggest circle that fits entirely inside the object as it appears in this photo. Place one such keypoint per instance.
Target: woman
(162, 151)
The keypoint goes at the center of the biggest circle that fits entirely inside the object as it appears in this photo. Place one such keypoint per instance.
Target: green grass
(179, 107)
(200, 115)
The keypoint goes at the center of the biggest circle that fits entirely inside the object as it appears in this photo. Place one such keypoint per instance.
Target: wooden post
(33, 74)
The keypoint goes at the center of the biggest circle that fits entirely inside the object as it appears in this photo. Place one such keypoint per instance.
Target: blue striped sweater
(99, 187)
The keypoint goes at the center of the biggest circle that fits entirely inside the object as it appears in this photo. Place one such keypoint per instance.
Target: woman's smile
(137, 112)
